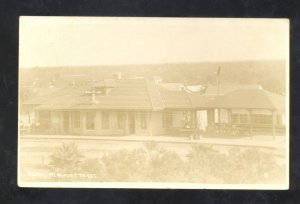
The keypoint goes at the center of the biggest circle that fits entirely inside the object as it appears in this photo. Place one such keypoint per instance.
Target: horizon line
(154, 63)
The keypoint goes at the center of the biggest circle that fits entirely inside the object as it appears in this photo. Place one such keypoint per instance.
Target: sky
(75, 41)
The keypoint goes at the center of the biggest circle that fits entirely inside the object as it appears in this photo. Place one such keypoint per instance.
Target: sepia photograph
(168, 103)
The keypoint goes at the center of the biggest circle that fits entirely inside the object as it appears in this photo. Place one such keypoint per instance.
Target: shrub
(253, 166)
(202, 161)
(165, 166)
(149, 164)
(66, 158)
(239, 166)
(152, 163)
(151, 145)
(161, 164)
(124, 165)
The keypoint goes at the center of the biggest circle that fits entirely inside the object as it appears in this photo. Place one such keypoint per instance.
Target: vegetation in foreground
(151, 163)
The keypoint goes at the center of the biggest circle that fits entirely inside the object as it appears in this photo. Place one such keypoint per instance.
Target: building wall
(113, 128)
(156, 124)
(279, 119)
(138, 126)
(56, 121)
(177, 118)
(27, 115)
(98, 129)
(224, 116)
(202, 119)
(210, 117)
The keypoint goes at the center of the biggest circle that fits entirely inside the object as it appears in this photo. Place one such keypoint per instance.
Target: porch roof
(176, 100)
(249, 99)
(212, 90)
(199, 101)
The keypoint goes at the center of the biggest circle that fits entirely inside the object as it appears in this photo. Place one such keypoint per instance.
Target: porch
(246, 113)
(91, 122)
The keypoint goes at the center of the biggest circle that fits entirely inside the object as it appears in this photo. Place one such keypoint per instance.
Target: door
(66, 122)
(202, 119)
(131, 119)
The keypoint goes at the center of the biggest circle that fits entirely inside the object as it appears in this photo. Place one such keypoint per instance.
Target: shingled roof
(176, 99)
(133, 94)
(249, 98)
(212, 90)
(199, 101)
(142, 94)
(50, 95)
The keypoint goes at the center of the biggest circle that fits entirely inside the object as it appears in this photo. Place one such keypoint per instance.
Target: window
(90, 121)
(167, 120)
(45, 119)
(244, 118)
(235, 118)
(239, 118)
(105, 120)
(76, 119)
(121, 120)
(186, 119)
(262, 119)
(143, 121)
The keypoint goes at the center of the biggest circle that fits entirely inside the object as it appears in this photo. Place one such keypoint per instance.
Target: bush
(124, 165)
(151, 145)
(203, 160)
(250, 166)
(66, 158)
(149, 164)
(164, 166)
(253, 166)
(152, 163)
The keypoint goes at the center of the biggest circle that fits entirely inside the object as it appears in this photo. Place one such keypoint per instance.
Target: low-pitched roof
(47, 95)
(199, 101)
(141, 94)
(212, 90)
(171, 86)
(176, 99)
(133, 94)
(250, 99)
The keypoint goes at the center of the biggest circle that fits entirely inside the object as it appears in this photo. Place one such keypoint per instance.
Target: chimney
(117, 75)
(157, 79)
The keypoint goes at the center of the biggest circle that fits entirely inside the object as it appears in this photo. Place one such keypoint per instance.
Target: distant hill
(269, 73)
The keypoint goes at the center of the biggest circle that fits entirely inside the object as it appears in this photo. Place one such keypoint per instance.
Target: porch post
(81, 121)
(36, 121)
(196, 120)
(125, 122)
(71, 121)
(195, 123)
(219, 120)
(251, 124)
(273, 124)
(229, 116)
(229, 121)
(150, 122)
